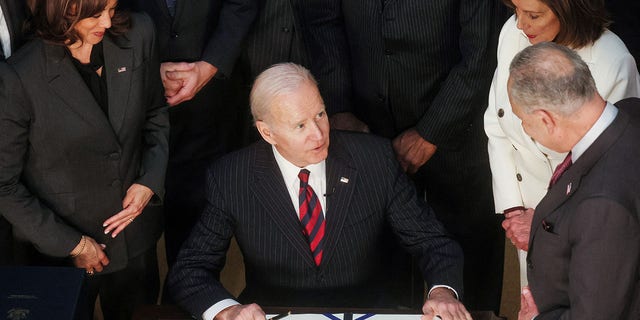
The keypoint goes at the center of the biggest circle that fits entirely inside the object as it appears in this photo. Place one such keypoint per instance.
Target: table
(172, 312)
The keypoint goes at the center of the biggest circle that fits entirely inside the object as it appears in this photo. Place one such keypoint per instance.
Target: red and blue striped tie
(311, 216)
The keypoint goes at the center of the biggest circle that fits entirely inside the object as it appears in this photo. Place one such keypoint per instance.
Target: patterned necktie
(311, 216)
(560, 169)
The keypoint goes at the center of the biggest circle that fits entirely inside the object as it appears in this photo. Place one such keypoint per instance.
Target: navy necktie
(311, 216)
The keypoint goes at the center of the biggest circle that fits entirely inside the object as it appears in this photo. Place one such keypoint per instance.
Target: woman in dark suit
(83, 146)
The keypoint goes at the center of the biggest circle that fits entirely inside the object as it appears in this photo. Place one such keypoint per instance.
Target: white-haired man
(309, 216)
(584, 249)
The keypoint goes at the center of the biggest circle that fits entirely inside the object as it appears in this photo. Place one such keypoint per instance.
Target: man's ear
(549, 119)
(265, 131)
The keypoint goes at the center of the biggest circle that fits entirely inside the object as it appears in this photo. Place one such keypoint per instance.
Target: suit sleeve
(439, 256)
(26, 213)
(194, 280)
(156, 127)
(225, 44)
(462, 96)
(606, 240)
(326, 42)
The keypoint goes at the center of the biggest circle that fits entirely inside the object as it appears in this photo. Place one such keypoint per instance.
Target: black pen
(280, 316)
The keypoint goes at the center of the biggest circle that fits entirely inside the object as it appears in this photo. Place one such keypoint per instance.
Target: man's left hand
(193, 77)
(443, 303)
(528, 307)
(412, 150)
(134, 202)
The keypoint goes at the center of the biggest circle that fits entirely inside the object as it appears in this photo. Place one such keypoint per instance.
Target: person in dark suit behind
(584, 249)
(420, 75)
(280, 34)
(330, 256)
(12, 15)
(84, 146)
(199, 43)
(625, 24)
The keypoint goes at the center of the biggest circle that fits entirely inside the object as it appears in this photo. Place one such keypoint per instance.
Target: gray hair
(279, 79)
(552, 77)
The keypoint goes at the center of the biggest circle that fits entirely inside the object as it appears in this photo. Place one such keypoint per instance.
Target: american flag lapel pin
(122, 69)
(344, 180)
(569, 188)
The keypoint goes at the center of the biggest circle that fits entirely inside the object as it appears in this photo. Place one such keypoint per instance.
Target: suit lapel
(271, 191)
(341, 181)
(69, 86)
(570, 181)
(118, 60)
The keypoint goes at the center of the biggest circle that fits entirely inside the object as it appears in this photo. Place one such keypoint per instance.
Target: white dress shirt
(606, 118)
(5, 38)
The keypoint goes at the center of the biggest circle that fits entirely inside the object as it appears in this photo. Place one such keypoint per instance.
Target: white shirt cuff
(213, 311)
(442, 286)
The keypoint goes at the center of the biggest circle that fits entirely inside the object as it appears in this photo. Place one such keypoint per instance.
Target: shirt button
(174, 35)
(285, 29)
(519, 177)
(500, 113)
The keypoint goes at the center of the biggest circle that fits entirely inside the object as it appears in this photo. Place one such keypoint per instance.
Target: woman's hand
(89, 255)
(134, 202)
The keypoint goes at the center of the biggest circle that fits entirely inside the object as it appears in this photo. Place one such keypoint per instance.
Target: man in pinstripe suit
(253, 195)
(420, 74)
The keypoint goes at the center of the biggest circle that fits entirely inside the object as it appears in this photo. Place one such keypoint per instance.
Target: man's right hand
(517, 226)
(242, 312)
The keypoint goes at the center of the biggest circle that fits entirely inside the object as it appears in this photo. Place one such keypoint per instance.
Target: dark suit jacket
(274, 37)
(423, 64)
(585, 264)
(206, 30)
(248, 199)
(66, 166)
(14, 13)
(287, 31)
(206, 126)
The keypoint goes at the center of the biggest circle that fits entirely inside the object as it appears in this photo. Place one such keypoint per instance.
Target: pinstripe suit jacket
(286, 31)
(420, 63)
(248, 199)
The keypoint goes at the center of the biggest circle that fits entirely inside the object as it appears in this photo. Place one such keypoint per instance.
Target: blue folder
(41, 293)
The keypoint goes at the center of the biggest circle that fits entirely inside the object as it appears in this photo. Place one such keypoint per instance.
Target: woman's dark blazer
(64, 165)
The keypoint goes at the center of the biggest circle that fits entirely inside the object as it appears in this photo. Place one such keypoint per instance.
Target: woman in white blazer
(521, 168)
